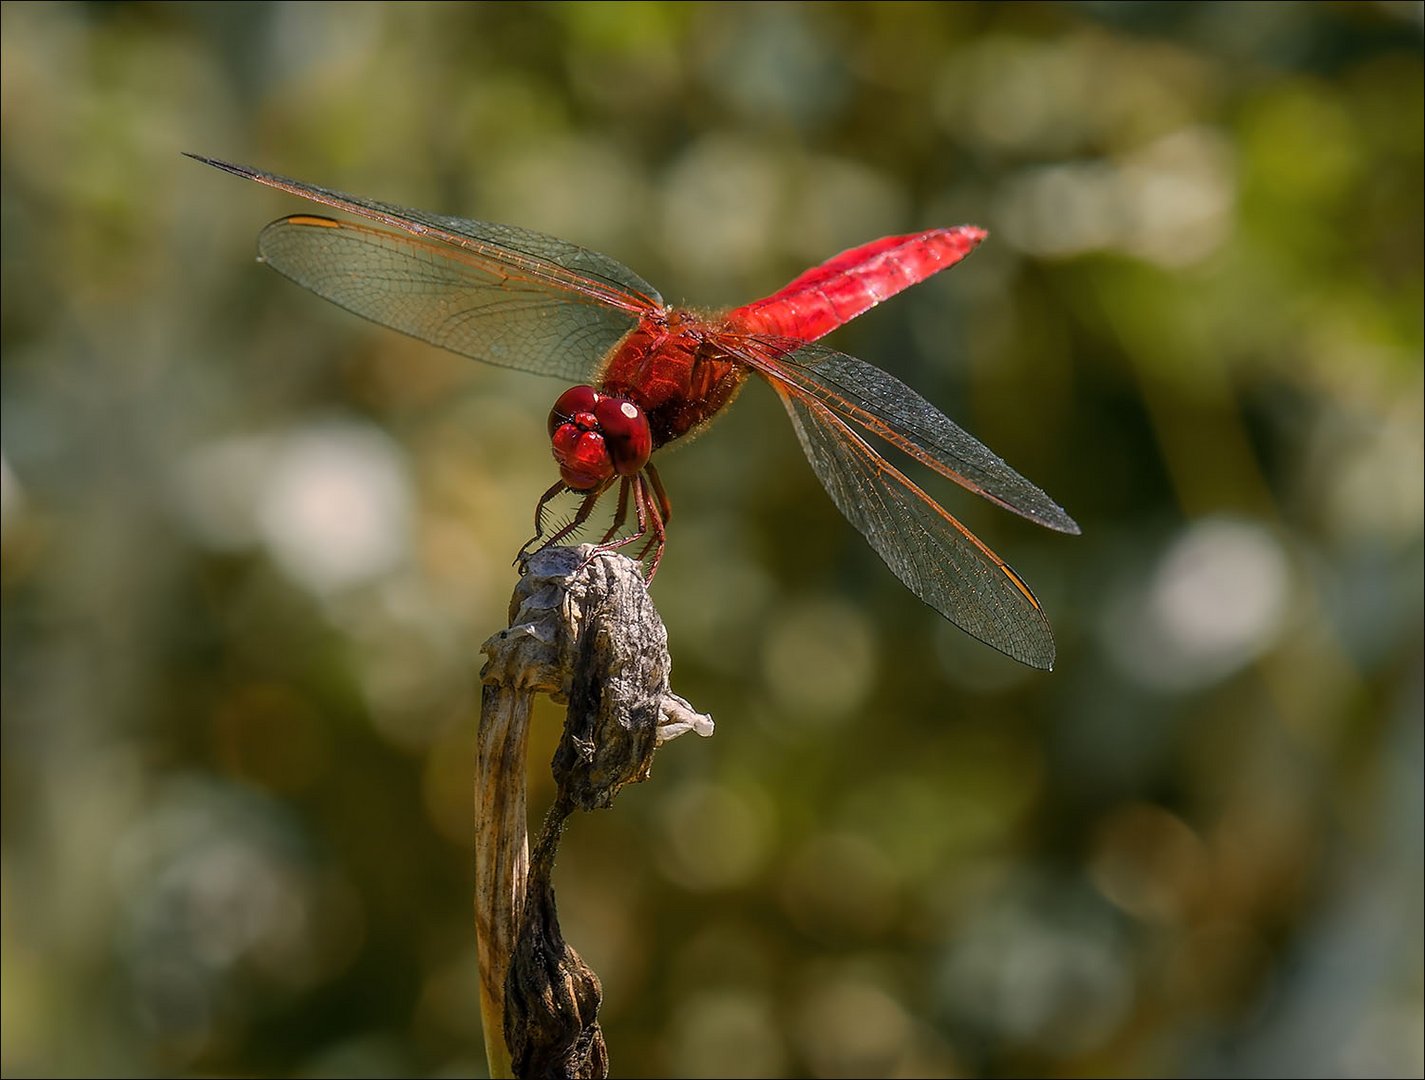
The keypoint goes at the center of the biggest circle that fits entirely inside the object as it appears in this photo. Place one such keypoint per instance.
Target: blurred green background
(252, 544)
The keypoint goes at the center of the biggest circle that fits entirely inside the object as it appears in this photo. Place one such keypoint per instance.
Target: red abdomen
(843, 287)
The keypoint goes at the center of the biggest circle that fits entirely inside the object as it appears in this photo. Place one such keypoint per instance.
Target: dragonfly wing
(882, 404)
(499, 248)
(446, 296)
(935, 556)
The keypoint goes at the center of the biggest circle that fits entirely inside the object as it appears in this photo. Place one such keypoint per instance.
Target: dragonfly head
(597, 436)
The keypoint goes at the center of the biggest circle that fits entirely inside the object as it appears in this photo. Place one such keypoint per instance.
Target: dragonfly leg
(658, 511)
(620, 514)
(650, 505)
(554, 492)
(574, 524)
(651, 521)
(627, 483)
(665, 508)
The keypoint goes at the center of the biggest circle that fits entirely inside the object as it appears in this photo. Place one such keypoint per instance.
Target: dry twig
(584, 631)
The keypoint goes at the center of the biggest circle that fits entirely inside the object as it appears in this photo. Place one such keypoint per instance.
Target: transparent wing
(442, 295)
(499, 249)
(881, 403)
(935, 556)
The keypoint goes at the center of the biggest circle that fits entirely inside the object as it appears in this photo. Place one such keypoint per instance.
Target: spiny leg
(658, 517)
(582, 515)
(650, 521)
(652, 509)
(620, 514)
(636, 483)
(651, 506)
(605, 545)
(559, 488)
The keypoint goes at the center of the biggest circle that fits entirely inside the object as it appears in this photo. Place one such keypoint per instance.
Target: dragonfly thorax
(597, 437)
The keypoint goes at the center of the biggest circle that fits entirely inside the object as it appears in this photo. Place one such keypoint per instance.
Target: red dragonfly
(648, 374)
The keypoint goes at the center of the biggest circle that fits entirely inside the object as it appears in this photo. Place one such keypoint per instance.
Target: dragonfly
(646, 374)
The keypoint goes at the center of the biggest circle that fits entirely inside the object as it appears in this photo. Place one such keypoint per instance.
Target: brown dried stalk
(584, 631)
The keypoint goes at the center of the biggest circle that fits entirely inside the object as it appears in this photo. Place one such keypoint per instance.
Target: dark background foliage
(252, 544)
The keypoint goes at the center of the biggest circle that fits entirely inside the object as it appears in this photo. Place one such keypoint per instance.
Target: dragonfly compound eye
(574, 405)
(583, 457)
(625, 428)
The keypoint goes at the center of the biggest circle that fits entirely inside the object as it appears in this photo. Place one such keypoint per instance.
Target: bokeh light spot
(336, 510)
(820, 659)
(1216, 599)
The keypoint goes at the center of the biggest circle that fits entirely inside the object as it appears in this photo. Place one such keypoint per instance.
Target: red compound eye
(574, 404)
(583, 457)
(626, 434)
(595, 436)
(579, 446)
